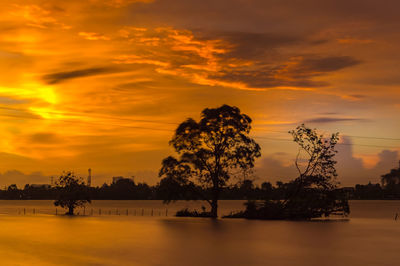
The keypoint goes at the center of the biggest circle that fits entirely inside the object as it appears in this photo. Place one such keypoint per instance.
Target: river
(146, 233)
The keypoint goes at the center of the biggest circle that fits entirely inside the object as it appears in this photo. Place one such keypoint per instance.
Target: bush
(189, 213)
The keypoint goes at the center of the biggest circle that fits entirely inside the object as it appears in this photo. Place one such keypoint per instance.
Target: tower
(89, 179)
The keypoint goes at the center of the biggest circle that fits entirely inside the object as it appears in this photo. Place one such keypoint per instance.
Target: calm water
(370, 237)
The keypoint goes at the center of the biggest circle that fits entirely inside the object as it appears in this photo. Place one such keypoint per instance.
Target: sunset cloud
(103, 84)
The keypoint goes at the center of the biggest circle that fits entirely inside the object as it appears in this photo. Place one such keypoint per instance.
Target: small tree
(315, 192)
(319, 152)
(391, 183)
(211, 151)
(72, 192)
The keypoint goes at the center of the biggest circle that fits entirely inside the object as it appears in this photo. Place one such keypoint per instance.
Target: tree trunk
(215, 197)
(70, 210)
(214, 208)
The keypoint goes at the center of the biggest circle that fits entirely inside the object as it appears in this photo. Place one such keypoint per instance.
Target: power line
(344, 144)
(82, 122)
(171, 130)
(92, 115)
(352, 136)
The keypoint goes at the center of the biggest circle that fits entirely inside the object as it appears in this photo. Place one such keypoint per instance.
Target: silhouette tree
(319, 152)
(211, 151)
(71, 192)
(314, 193)
(391, 182)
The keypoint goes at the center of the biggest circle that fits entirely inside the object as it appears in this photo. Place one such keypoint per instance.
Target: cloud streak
(58, 77)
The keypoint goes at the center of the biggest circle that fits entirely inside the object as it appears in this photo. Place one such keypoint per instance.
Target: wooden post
(126, 212)
(33, 210)
(56, 211)
(142, 212)
(151, 212)
(166, 212)
(24, 211)
(99, 211)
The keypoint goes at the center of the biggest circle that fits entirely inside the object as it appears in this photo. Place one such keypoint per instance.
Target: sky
(102, 84)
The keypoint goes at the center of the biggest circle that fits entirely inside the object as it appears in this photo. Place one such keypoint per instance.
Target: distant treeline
(127, 189)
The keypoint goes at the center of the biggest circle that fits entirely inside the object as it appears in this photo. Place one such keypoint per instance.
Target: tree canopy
(72, 192)
(314, 193)
(211, 151)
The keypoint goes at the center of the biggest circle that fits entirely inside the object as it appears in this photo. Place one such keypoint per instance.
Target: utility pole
(89, 179)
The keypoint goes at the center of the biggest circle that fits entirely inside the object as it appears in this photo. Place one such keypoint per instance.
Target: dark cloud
(45, 138)
(321, 120)
(253, 45)
(59, 77)
(266, 78)
(297, 71)
(357, 96)
(327, 64)
(293, 15)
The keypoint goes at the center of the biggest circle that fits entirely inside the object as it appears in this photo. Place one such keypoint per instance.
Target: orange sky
(103, 83)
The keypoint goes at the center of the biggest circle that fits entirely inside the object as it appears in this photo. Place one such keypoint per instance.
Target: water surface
(370, 237)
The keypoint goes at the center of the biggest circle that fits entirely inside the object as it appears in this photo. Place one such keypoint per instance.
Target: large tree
(72, 192)
(211, 151)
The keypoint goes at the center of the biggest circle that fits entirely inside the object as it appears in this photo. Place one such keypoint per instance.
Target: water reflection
(129, 240)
